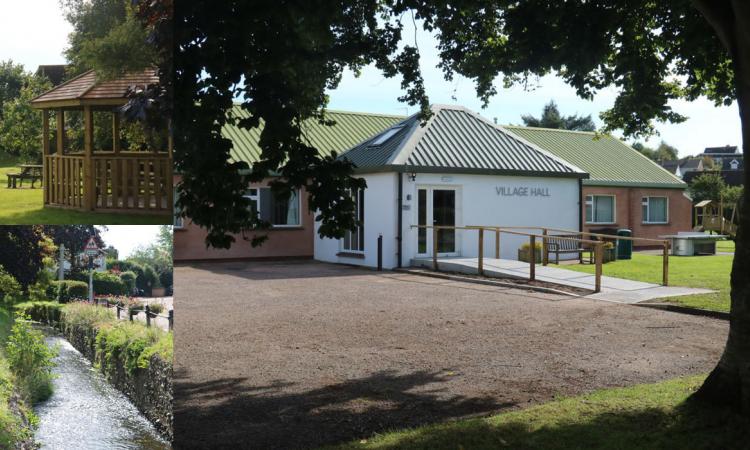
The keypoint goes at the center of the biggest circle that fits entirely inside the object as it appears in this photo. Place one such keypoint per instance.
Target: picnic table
(31, 172)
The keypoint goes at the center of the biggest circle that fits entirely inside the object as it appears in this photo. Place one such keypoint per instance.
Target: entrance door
(439, 205)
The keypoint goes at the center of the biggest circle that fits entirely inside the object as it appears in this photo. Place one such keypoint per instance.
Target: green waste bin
(624, 246)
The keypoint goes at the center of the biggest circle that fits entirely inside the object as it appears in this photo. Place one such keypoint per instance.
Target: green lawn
(25, 207)
(725, 246)
(710, 272)
(649, 416)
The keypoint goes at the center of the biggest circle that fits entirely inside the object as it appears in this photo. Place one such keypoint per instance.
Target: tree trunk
(729, 382)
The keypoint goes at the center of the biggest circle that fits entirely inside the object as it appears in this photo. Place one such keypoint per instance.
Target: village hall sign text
(522, 191)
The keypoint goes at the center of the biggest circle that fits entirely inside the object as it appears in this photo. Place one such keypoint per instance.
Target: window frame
(592, 202)
(256, 197)
(646, 201)
(360, 216)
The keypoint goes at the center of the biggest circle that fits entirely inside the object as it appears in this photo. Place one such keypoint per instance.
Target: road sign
(91, 248)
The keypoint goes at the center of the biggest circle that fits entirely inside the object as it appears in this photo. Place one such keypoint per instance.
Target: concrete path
(613, 289)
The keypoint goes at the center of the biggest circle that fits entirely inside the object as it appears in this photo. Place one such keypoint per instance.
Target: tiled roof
(727, 149)
(609, 161)
(350, 128)
(456, 139)
(86, 87)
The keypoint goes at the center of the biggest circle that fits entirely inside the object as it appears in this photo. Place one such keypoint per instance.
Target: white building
(458, 169)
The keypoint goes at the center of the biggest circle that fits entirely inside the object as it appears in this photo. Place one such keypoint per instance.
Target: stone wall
(149, 389)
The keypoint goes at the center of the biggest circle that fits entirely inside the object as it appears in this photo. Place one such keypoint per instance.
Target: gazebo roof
(86, 89)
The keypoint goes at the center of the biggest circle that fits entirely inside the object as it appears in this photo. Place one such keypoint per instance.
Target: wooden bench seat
(14, 178)
(557, 246)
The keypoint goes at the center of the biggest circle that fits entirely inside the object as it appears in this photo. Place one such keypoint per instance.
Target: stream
(86, 412)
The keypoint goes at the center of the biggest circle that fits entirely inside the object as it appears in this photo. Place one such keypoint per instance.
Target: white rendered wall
(477, 203)
(381, 201)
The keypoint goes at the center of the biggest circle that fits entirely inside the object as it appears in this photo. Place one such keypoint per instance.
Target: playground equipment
(709, 216)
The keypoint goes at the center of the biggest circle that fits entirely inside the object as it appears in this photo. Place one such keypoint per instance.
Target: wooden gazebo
(101, 179)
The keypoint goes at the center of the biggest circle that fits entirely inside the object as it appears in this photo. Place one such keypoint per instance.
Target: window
(269, 208)
(354, 240)
(655, 209)
(734, 164)
(178, 220)
(383, 138)
(600, 209)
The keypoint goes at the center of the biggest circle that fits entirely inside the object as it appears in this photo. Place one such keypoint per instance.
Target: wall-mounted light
(413, 176)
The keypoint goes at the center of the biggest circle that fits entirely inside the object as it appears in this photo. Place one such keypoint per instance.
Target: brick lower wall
(628, 212)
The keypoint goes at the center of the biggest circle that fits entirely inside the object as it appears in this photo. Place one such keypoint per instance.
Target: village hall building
(456, 169)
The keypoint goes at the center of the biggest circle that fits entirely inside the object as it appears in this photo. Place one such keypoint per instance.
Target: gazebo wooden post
(88, 163)
(60, 116)
(45, 153)
(115, 132)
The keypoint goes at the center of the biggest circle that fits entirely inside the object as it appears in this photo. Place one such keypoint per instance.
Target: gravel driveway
(300, 354)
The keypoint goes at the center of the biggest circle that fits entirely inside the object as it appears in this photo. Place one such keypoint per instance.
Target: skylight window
(383, 138)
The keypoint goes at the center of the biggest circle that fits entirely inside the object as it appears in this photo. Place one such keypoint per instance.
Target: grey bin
(624, 246)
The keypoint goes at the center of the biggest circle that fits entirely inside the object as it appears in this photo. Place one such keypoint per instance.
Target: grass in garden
(710, 272)
(649, 416)
(25, 206)
(725, 246)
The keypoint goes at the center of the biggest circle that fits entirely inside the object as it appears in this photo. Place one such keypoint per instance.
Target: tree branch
(719, 15)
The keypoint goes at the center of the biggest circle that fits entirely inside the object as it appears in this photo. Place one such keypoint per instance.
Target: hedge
(65, 291)
(47, 312)
(109, 284)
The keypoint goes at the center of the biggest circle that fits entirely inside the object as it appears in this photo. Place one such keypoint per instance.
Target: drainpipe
(400, 213)
(580, 205)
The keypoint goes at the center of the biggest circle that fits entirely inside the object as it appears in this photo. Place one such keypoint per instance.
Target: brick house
(624, 190)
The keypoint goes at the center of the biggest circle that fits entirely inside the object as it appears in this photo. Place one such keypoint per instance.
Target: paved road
(295, 355)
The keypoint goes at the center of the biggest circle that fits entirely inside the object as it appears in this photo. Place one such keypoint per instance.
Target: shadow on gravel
(227, 413)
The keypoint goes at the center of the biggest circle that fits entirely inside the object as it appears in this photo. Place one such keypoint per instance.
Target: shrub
(41, 311)
(156, 308)
(10, 288)
(30, 359)
(166, 280)
(147, 280)
(133, 344)
(537, 245)
(129, 279)
(68, 290)
(86, 315)
(108, 284)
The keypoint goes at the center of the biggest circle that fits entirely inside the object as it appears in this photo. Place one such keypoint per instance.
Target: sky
(126, 238)
(33, 32)
(707, 125)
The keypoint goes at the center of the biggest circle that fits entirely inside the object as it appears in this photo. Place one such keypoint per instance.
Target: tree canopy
(664, 152)
(22, 252)
(107, 36)
(12, 79)
(21, 125)
(551, 118)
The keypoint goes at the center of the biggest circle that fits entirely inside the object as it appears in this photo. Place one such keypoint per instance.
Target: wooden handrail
(598, 246)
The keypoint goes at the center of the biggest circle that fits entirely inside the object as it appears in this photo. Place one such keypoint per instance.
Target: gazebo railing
(125, 181)
(132, 182)
(64, 180)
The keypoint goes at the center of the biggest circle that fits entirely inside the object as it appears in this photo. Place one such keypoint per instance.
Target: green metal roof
(350, 129)
(456, 139)
(609, 161)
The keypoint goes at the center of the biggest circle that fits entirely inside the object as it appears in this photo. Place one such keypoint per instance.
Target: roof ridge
(358, 113)
(559, 130)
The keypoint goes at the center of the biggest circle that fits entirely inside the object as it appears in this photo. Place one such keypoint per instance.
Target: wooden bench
(14, 178)
(557, 246)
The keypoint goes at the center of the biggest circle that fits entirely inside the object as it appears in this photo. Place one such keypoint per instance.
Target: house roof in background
(455, 140)
(55, 73)
(85, 88)
(350, 129)
(609, 161)
(726, 150)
